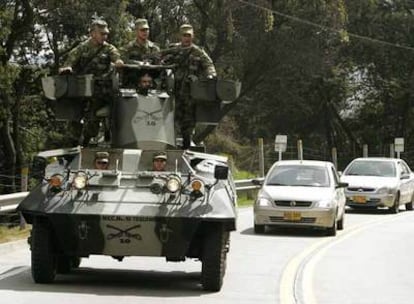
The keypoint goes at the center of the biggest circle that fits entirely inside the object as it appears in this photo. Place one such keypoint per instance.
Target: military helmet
(99, 23)
(102, 156)
(141, 23)
(159, 155)
(186, 29)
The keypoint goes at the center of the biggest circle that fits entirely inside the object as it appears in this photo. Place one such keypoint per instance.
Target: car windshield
(299, 175)
(371, 168)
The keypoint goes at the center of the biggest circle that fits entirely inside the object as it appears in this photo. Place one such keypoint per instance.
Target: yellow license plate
(292, 216)
(360, 199)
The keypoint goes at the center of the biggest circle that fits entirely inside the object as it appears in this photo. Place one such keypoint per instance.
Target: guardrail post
(24, 182)
(335, 157)
(261, 157)
(300, 149)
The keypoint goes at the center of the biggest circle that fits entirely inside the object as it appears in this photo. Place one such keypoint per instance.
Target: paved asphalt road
(369, 262)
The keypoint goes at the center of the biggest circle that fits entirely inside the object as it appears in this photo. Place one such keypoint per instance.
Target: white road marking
(312, 255)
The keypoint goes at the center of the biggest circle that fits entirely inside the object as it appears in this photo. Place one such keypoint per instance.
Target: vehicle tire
(76, 261)
(395, 208)
(332, 230)
(409, 205)
(340, 224)
(259, 228)
(214, 258)
(43, 255)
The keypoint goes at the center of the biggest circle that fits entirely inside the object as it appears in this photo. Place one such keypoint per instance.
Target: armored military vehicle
(127, 209)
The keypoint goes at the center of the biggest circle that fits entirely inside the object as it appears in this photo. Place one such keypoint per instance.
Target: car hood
(369, 181)
(297, 193)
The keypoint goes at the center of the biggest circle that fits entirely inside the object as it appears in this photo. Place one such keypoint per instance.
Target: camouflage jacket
(138, 52)
(191, 60)
(88, 58)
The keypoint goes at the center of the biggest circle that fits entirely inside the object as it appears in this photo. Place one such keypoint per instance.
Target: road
(369, 262)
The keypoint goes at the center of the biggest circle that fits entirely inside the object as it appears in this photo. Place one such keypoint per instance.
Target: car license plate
(360, 199)
(294, 216)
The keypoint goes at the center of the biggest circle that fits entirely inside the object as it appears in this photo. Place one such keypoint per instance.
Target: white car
(303, 193)
(379, 182)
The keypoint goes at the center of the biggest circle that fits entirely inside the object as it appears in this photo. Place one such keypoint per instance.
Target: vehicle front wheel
(214, 258)
(259, 228)
(340, 224)
(43, 255)
(395, 208)
(332, 230)
(409, 205)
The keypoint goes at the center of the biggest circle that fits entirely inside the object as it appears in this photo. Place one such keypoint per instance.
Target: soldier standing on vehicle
(141, 48)
(192, 63)
(94, 56)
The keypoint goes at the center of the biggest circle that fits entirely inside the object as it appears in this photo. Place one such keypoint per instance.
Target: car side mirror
(221, 172)
(342, 185)
(405, 176)
(258, 181)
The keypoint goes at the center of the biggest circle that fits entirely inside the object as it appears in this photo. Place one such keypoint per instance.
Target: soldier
(192, 63)
(101, 161)
(141, 48)
(94, 56)
(144, 84)
(159, 161)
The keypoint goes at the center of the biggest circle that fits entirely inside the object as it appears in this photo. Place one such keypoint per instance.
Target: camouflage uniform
(139, 52)
(191, 61)
(88, 58)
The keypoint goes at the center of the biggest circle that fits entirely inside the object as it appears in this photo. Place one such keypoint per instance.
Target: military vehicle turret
(127, 209)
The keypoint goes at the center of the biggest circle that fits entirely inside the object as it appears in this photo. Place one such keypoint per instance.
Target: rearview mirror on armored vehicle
(221, 172)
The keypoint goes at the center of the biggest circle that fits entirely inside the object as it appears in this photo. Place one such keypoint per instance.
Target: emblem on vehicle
(165, 233)
(360, 190)
(124, 235)
(292, 204)
(150, 117)
(83, 228)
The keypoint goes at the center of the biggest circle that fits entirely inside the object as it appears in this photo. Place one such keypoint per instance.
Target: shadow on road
(370, 210)
(112, 282)
(286, 232)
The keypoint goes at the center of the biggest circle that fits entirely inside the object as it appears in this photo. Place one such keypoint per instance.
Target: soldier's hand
(119, 63)
(65, 70)
(193, 78)
(210, 77)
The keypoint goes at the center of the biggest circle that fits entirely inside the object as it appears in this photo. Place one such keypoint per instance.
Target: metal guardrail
(9, 202)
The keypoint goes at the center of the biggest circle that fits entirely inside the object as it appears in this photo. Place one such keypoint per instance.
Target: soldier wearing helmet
(192, 63)
(93, 56)
(159, 161)
(141, 48)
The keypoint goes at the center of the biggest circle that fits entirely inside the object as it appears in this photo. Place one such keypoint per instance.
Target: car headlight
(80, 181)
(326, 203)
(173, 183)
(263, 202)
(385, 190)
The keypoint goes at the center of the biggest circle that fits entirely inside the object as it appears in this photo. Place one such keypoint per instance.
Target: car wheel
(214, 258)
(340, 224)
(409, 206)
(395, 208)
(259, 228)
(43, 255)
(332, 230)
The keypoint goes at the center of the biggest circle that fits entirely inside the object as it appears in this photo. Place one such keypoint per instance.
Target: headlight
(56, 181)
(173, 183)
(80, 181)
(325, 204)
(385, 190)
(263, 202)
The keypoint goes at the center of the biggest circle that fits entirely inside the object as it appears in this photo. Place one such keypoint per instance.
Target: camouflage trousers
(185, 112)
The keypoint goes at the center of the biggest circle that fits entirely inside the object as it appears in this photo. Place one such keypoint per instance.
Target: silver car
(301, 193)
(379, 182)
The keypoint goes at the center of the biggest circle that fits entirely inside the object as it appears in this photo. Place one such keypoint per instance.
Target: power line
(326, 28)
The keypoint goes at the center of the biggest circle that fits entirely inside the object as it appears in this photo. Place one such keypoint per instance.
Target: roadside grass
(13, 234)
